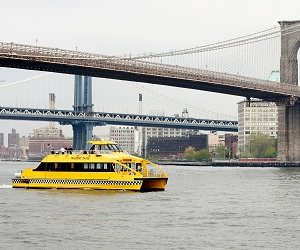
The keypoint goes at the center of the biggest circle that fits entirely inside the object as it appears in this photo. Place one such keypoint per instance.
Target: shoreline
(232, 164)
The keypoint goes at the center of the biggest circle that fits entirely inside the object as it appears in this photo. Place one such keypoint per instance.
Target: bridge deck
(73, 62)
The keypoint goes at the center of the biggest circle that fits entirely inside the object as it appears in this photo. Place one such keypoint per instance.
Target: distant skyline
(124, 27)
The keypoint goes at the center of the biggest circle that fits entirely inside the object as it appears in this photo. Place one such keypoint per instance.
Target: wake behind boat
(104, 166)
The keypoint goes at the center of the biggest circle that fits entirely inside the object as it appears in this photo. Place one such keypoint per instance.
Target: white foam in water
(5, 186)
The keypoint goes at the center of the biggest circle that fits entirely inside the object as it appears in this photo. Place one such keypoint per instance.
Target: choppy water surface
(202, 208)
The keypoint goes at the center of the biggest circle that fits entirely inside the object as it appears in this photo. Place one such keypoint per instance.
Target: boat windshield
(107, 147)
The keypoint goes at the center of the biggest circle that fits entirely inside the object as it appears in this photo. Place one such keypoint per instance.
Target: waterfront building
(256, 117)
(125, 137)
(13, 139)
(132, 140)
(174, 147)
(213, 141)
(231, 142)
(4, 152)
(46, 139)
(24, 146)
(165, 132)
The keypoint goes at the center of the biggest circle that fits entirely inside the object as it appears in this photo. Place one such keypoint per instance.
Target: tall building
(256, 117)
(3, 150)
(13, 139)
(124, 137)
(24, 146)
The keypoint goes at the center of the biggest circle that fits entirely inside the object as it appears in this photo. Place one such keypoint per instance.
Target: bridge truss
(66, 117)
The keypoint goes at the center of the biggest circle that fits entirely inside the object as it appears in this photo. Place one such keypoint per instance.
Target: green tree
(261, 146)
(202, 155)
(221, 152)
(189, 153)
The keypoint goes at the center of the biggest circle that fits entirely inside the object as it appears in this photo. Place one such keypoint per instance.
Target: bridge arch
(290, 44)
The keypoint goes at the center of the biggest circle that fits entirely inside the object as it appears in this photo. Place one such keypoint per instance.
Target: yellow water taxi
(104, 166)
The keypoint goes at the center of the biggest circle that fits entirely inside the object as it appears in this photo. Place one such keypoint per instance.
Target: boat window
(41, 167)
(117, 167)
(45, 166)
(75, 167)
(104, 147)
(63, 166)
(93, 167)
(85, 166)
(139, 167)
(116, 148)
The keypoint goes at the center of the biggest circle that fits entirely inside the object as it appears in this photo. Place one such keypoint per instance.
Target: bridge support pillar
(82, 131)
(81, 134)
(288, 138)
(77, 136)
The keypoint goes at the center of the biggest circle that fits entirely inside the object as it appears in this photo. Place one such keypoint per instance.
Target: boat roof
(98, 142)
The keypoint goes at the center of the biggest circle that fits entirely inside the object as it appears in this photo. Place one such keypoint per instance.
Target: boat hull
(153, 184)
(77, 184)
(140, 184)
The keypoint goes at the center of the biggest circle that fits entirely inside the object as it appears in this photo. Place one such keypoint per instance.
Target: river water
(202, 208)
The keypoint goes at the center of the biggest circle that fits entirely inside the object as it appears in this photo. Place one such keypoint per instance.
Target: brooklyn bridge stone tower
(289, 112)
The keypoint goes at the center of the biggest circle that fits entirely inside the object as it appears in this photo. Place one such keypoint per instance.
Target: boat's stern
(153, 176)
(153, 184)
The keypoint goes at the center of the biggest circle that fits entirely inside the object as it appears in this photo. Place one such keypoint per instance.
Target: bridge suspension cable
(26, 80)
(179, 104)
(242, 40)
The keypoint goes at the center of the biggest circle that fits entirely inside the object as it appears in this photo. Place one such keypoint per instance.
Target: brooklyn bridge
(205, 68)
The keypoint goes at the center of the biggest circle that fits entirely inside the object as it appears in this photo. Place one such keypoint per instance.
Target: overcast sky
(121, 27)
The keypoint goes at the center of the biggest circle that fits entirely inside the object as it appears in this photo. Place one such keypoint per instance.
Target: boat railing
(123, 169)
(153, 170)
(67, 151)
(82, 151)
